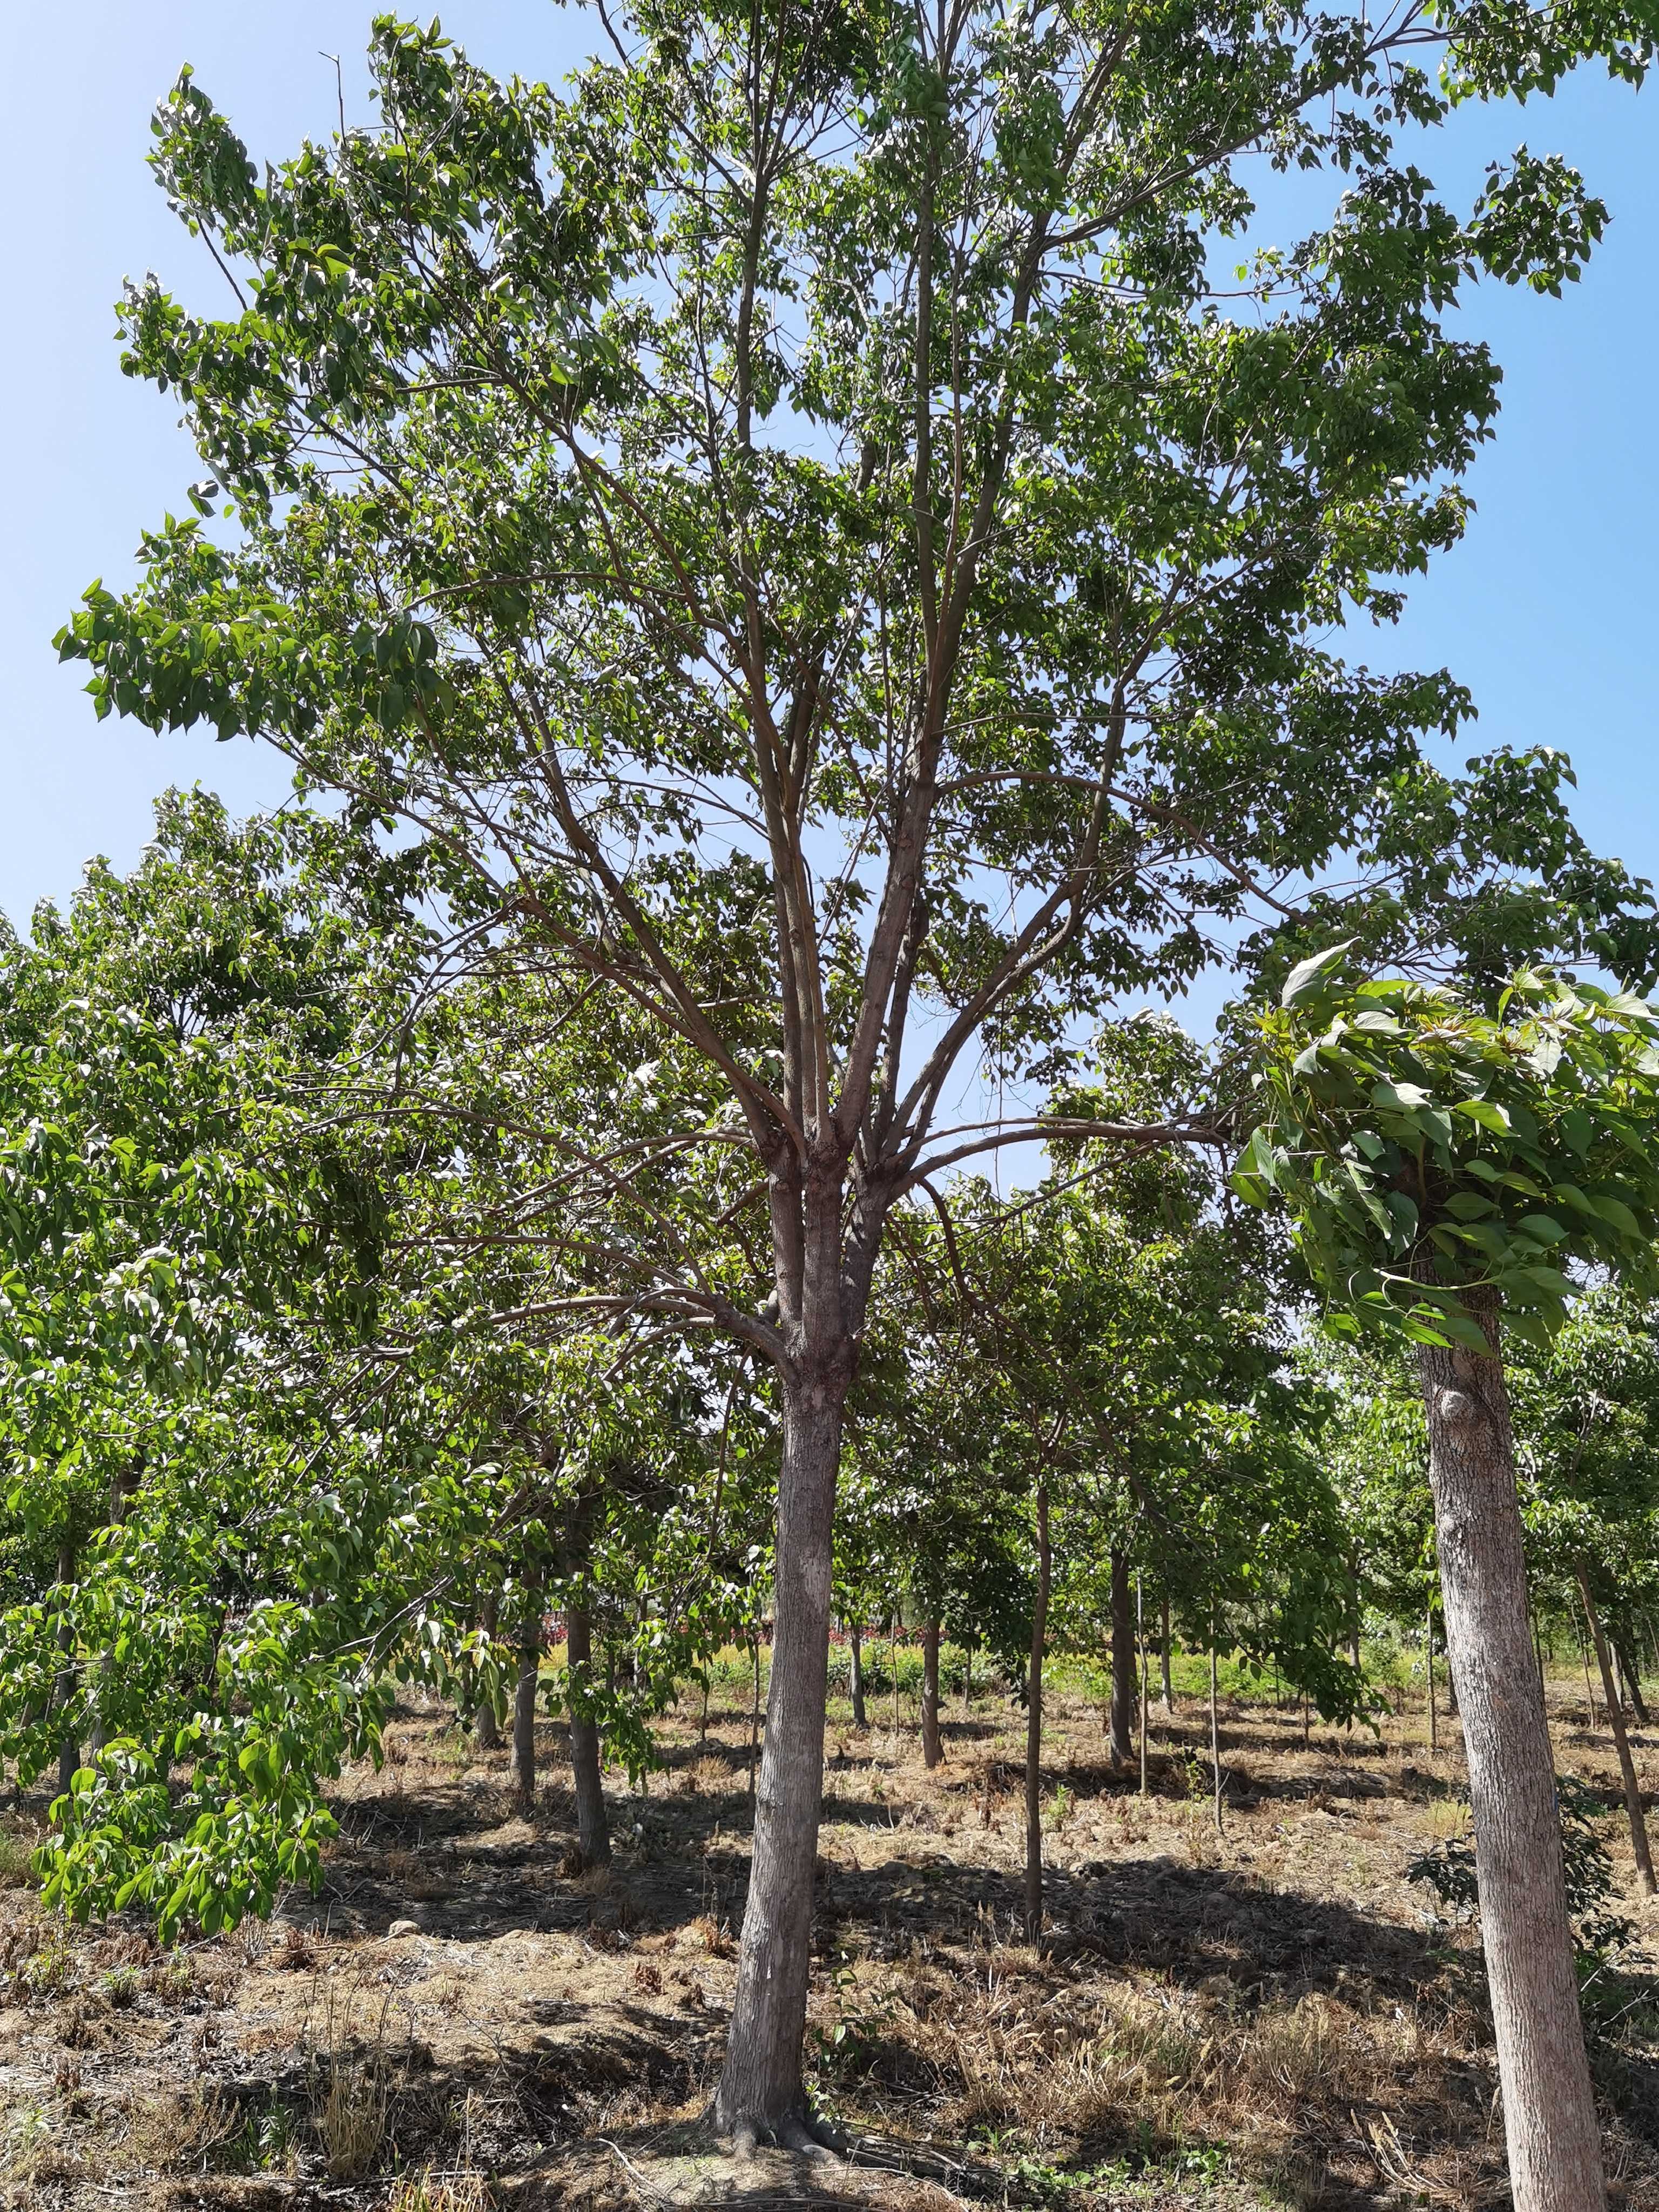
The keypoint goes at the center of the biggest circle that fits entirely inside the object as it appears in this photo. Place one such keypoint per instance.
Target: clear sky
(1547, 610)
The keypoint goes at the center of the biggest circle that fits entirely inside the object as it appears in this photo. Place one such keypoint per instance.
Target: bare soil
(1268, 2014)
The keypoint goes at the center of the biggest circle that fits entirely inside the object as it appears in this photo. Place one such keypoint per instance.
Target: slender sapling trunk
(487, 1727)
(69, 1751)
(1638, 1826)
(1034, 1729)
(1121, 1736)
(1140, 1639)
(1215, 1733)
(932, 1749)
(529, 1683)
(593, 1825)
(1631, 1676)
(1164, 1659)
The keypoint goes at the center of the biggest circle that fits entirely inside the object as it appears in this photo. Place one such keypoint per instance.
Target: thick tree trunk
(1428, 1668)
(1121, 1746)
(524, 1701)
(1034, 1729)
(1627, 1667)
(761, 2089)
(487, 1727)
(593, 1828)
(855, 1676)
(754, 1713)
(1549, 2109)
(931, 1749)
(1638, 1826)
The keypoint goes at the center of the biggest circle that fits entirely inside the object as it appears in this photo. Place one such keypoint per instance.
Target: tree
(791, 528)
(1444, 1165)
(1590, 1490)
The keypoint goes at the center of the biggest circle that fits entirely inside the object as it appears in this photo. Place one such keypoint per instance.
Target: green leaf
(1485, 1114)
(1306, 977)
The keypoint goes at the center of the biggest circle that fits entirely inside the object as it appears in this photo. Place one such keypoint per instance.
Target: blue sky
(1546, 610)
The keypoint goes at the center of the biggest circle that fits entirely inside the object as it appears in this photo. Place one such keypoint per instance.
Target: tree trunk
(593, 1827)
(855, 1676)
(1590, 1694)
(1549, 2109)
(1626, 1649)
(761, 2089)
(1033, 1730)
(1638, 1826)
(524, 1701)
(1428, 1668)
(1121, 1744)
(1215, 1732)
(69, 1751)
(754, 1715)
(931, 1749)
(967, 1677)
(1164, 1659)
(487, 1727)
(1141, 1646)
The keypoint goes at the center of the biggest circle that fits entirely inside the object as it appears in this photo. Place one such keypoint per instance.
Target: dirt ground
(1272, 2015)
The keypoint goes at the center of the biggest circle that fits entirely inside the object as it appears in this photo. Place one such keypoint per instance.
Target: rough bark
(487, 1727)
(523, 1700)
(1034, 1729)
(1638, 1826)
(754, 1714)
(1549, 2109)
(1121, 1734)
(592, 1826)
(932, 1749)
(855, 1676)
(761, 2089)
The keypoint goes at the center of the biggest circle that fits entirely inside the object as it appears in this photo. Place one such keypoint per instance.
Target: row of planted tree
(291, 1417)
(799, 578)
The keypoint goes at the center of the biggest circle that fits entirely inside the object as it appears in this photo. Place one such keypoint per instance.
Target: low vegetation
(1268, 2012)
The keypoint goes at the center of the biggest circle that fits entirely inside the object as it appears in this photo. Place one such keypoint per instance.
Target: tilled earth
(1269, 2015)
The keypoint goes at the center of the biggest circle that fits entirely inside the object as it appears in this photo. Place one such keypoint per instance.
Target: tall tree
(1444, 1166)
(792, 527)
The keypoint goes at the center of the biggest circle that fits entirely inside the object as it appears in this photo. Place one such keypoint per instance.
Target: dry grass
(1208, 2017)
(429, 2190)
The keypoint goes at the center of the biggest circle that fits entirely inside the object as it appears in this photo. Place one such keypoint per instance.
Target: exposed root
(800, 2136)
